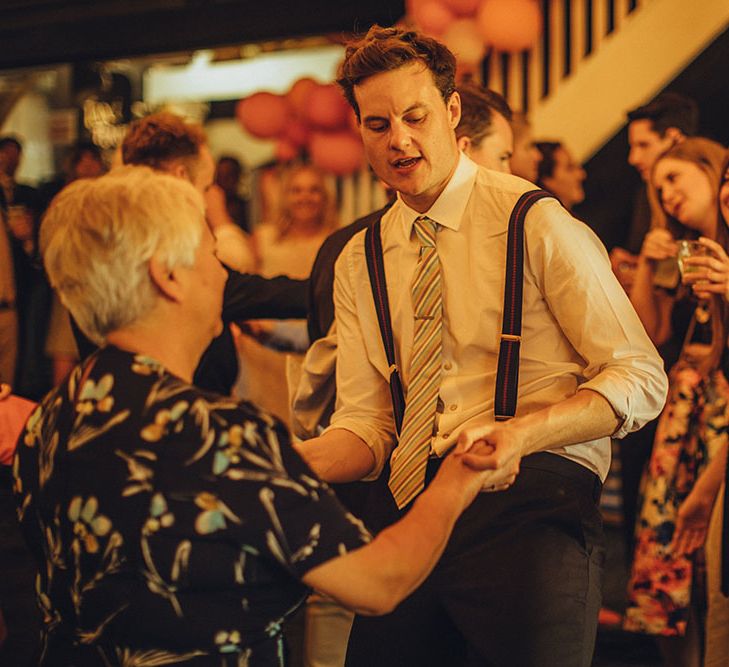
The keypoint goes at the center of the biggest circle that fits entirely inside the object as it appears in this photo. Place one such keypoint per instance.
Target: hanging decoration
(312, 119)
(470, 27)
(509, 25)
(264, 115)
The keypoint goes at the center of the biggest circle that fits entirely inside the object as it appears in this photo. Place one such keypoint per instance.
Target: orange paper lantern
(298, 93)
(264, 115)
(340, 153)
(325, 108)
(509, 25)
(462, 7)
(464, 40)
(432, 17)
(296, 132)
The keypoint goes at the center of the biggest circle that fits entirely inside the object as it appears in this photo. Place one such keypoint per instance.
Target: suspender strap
(376, 270)
(507, 374)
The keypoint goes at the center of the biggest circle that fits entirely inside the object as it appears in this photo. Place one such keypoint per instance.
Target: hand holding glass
(688, 249)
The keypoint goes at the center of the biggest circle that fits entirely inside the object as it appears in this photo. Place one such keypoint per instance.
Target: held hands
(709, 274)
(460, 478)
(494, 449)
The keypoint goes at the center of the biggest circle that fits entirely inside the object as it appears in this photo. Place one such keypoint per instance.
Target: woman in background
(701, 517)
(289, 245)
(664, 592)
(286, 247)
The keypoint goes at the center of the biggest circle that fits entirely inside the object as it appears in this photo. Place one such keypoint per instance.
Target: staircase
(598, 58)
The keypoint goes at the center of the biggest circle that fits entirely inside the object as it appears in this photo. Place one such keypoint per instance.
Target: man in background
(21, 212)
(227, 176)
(653, 128)
(484, 132)
(166, 142)
(525, 158)
(14, 193)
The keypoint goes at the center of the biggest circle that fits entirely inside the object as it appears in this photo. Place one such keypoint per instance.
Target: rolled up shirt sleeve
(595, 314)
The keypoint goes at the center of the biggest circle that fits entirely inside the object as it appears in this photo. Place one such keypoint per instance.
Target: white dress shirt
(579, 329)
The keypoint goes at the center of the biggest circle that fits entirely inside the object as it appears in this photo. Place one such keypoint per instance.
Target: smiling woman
(663, 592)
(289, 244)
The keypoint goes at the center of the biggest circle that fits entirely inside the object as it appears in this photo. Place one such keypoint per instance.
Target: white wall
(29, 122)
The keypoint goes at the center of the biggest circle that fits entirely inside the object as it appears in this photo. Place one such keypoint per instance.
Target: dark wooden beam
(39, 32)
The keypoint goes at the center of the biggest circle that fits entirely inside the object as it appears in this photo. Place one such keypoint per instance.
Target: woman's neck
(172, 351)
(304, 228)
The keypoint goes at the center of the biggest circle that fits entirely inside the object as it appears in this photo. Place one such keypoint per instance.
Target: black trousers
(517, 586)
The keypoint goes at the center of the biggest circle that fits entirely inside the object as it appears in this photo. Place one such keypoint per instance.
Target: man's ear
(453, 105)
(454, 109)
(166, 280)
(674, 134)
(464, 143)
(177, 169)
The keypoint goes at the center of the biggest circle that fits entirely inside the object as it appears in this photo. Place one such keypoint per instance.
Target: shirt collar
(448, 209)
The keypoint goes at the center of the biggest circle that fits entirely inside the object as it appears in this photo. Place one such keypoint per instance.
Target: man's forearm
(585, 416)
(338, 456)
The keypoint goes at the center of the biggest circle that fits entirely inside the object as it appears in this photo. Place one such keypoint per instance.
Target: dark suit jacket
(321, 280)
(246, 297)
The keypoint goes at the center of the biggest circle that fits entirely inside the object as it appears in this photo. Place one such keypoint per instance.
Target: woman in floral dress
(172, 525)
(701, 517)
(665, 589)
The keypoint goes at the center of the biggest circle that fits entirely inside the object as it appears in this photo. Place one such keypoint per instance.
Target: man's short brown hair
(159, 138)
(387, 49)
(478, 105)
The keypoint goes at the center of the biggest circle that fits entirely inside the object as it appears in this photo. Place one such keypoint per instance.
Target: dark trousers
(635, 452)
(517, 586)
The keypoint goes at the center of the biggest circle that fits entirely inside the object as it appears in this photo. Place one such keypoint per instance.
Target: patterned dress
(171, 526)
(693, 426)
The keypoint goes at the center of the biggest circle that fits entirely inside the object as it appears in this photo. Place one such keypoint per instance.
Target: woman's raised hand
(659, 244)
(710, 274)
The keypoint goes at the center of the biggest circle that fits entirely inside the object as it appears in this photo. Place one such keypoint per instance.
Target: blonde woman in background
(664, 593)
(286, 246)
(701, 518)
(308, 215)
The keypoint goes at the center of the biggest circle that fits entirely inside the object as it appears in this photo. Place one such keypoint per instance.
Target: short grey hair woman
(170, 524)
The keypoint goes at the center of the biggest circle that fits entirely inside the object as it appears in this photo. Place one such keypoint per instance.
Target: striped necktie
(407, 470)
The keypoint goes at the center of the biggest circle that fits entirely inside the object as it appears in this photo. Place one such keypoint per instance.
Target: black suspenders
(507, 374)
(376, 270)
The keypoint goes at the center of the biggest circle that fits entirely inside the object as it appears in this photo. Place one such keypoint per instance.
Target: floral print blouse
(171, 526)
